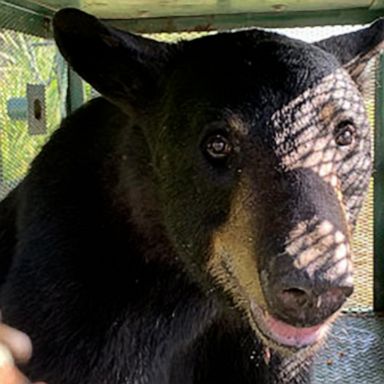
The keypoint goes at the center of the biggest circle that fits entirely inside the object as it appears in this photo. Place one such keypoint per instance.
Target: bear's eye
(217, 146)
(345, 133)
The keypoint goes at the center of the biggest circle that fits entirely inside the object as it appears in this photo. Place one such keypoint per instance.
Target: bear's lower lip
(285, 334)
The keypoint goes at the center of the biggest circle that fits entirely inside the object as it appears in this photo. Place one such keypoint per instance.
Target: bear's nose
(304, 307)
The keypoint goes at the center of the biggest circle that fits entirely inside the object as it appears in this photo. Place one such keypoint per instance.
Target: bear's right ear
(355, 49)
(123, 67)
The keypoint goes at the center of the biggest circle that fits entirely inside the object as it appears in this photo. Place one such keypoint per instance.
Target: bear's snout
(304, 307)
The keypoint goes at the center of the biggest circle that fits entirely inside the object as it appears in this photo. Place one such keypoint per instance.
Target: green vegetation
(26, 60)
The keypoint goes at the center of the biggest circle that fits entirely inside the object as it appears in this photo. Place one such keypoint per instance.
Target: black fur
(96, 309)
(105, 244)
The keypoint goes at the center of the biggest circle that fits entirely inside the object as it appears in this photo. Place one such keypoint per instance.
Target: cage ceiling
(200, 15)
(160, 8)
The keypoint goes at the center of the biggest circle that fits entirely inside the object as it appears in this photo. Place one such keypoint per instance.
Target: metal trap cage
(38, 90)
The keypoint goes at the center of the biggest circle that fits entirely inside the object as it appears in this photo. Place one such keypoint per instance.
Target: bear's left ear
(123, 67)
(355, 49)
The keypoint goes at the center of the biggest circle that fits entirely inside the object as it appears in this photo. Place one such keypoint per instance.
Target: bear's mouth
(277, 333)
(286, 335)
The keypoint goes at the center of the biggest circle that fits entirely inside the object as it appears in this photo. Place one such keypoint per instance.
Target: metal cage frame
(30, 17)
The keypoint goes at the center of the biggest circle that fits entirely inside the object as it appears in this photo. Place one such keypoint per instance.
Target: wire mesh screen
(363, 236)
(32, 100)
(362, 298)
(28, 60)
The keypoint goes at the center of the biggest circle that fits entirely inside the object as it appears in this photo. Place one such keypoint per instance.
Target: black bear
(193, 224)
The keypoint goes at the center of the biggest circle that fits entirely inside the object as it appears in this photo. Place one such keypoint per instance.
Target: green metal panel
(377, 4)
(15, 17)
(379, 191)
(76, 94)
(171, 8)
(193, 15)
(31, 5)
(156, 8)
(230, 21)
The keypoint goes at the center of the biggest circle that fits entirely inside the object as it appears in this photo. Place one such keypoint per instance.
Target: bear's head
(259, 155)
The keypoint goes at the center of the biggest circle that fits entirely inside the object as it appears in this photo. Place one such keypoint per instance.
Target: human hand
(15, 347)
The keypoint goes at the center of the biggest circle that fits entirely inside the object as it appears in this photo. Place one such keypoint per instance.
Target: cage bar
(379, 190)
